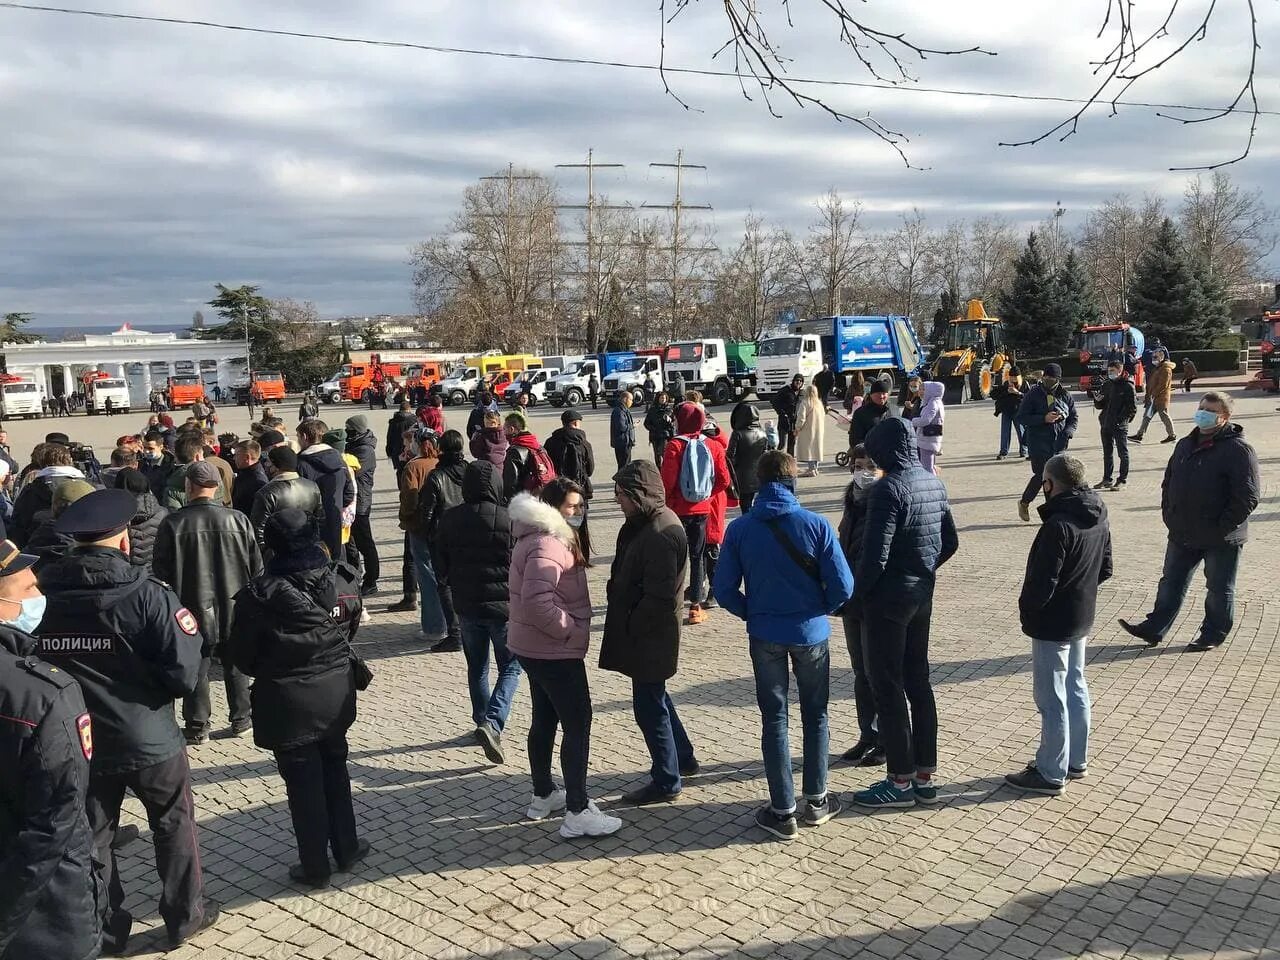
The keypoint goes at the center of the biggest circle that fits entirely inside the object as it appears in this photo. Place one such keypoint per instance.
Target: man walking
(207, 552)
(795, 575)
(622, 428)
(593, 390)
(1070, 557)
(642, 624)
(132, 646)
(785, 403)
(909, 534)
(1119, 403)
(1159, 396)
(1210, 487)
(1048, 417)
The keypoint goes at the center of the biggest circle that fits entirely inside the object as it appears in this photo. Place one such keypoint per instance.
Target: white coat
(810, 426)
(932, 411)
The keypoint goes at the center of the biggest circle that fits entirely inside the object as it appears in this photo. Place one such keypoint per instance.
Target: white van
(22, 399)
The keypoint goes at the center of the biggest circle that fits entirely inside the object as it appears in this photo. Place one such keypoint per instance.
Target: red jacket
(690, 419)
(720, 502)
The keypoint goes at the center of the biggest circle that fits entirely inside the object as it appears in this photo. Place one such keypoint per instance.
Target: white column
(67, 387)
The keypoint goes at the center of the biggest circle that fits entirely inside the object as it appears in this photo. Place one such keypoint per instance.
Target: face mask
(152, 456)
(1206, 420)
(577, 520)
(864, 478)
(30, 614)
(1112, 375)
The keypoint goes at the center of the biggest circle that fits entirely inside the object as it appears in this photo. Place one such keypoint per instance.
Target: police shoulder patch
(186, 622)
(84, 726)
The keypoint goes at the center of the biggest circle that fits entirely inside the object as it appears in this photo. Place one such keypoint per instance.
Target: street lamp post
(248, 358)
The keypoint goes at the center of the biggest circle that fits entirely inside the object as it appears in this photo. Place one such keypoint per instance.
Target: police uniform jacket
(134, 648)
(49, 892)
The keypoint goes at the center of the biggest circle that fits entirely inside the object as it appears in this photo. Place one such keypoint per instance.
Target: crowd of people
(191, 556)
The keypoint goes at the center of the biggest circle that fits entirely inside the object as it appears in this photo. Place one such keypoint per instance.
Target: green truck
(722, 372)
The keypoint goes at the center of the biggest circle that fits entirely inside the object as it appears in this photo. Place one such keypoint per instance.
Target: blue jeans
(491, 707)
(1062, 697)
(432, 614)
(1180, 564)
(1010, 425)
(812, 666)
(664, 734)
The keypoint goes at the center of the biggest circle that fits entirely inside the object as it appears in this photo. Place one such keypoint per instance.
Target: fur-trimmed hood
(531, 517)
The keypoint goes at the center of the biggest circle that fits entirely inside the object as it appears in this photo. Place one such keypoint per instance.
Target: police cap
(98, 515)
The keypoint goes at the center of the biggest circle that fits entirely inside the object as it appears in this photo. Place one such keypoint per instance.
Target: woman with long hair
(549, 630)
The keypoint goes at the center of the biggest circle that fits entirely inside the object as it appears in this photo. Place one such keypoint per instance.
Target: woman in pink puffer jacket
(548, 629)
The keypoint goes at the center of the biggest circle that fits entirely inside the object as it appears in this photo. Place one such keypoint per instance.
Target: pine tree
(1166, 300)
(1078, 307)
(1213, 308)
(1030, 307)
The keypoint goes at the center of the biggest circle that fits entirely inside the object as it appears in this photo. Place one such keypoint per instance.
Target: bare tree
(1227, 231)
(905, 255)
(993, 246)
(948, 255)
(825, 267)
(606, 276)
(684, 261)
(490, 281)
(751, 284)
(1112, 239)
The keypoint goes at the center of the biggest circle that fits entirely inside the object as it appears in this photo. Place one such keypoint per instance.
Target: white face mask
(577, 520)
(864, 478)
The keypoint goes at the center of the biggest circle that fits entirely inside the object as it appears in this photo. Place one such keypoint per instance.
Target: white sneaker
(365, 616)
(542, 807)
(589, 823)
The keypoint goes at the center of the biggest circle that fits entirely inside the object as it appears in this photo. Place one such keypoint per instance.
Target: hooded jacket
(173, 495)
(490, 443)
(324, 465)
(646, 582)
(1046, 439)
(747, 444)
(1070, 556)
(473, 546)
(690, 419)
(132, 646)
(143, 529)
(1210, 488)
(412, 479)
(1160, 384)
(570, 451)
(362, 445)
(400, 421)
(292, 634)
(49, 898)
(931, 412)
(207, 552)
(782, 604)
(550, 606)
(1118, 402)
(909, 532)
(286, 490)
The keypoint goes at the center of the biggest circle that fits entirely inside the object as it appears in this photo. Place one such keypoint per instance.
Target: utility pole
(1058, 211)
(248, 356)
(678, 206)
(592, 298)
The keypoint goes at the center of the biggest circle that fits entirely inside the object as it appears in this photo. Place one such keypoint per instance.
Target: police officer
(47, 906)
(134, 649)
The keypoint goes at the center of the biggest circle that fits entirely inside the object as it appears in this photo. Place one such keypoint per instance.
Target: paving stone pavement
(1168, 849)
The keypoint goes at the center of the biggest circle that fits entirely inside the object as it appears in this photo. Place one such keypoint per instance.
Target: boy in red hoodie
(690, 419)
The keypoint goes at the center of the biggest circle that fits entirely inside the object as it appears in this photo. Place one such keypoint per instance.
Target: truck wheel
(721, 392)
(457, 396)
(556, 401)
(573, 396)
(637, 397)
(980, 384)
(953, 390)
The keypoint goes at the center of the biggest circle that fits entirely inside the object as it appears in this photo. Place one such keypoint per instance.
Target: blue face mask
(30, 615)
(1206, 420)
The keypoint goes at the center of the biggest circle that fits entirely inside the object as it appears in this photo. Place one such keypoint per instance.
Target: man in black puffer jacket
(867, 752)
(1070, 557)
(473, 544)
(442, 491)
(362, 445)
(909, 534)
(146, 521)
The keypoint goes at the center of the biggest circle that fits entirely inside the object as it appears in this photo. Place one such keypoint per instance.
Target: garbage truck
(876, 346)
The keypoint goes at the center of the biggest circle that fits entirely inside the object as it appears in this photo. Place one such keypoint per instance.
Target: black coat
(660, 422)
(1071, 555)
(646, 585)
(1210, 489)
(853, 524)
(132, 646)
(864, 420)
(34, 503)
(157, 473)
(571, 454)
(285, 491)
(326, 468)
(288, 639)
(1044, 440)
(363, 447)
(1118, 402)
(441, 491)
(46, 543)
(48, 899)
(909, 530)
(622, 427)
(207, 552)
(785, 402)
(1007, 397)
(246, 486)
(473, 546)
(747, 444)
(399, 423)
(143, 529)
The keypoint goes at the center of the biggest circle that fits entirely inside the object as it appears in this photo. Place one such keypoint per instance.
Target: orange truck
(263, 385)
(359, 381)
(184, 390)
(426, 374)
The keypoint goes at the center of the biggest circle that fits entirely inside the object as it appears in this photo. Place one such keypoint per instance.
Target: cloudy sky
(141, 163)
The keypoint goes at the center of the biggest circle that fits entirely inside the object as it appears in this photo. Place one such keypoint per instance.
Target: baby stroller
(845, 421)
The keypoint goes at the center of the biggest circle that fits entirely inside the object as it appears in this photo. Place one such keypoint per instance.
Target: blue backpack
(697, 470)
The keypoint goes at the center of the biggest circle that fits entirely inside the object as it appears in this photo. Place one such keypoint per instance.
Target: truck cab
(359, 380)
(780, 358)
(263, 385)
(99, 387)
(22, 397)
(185, 390)
(720, 371)
(459, 386)
(632, 373)
(570, 388)
(1097, 345)
(535, 381)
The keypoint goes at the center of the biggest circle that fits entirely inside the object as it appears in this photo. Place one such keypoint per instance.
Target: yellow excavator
(973, 357)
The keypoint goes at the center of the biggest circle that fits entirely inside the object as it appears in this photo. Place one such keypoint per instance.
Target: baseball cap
(203, 474)
(570, 416)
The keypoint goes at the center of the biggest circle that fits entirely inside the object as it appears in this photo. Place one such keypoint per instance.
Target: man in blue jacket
(795, 576)
(1048, 417)
(909, 534)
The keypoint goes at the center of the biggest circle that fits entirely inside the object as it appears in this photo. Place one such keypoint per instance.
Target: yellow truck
(973, 358)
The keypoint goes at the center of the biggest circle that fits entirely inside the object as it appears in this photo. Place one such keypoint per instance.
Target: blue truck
(570, 388)
(876, 346)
